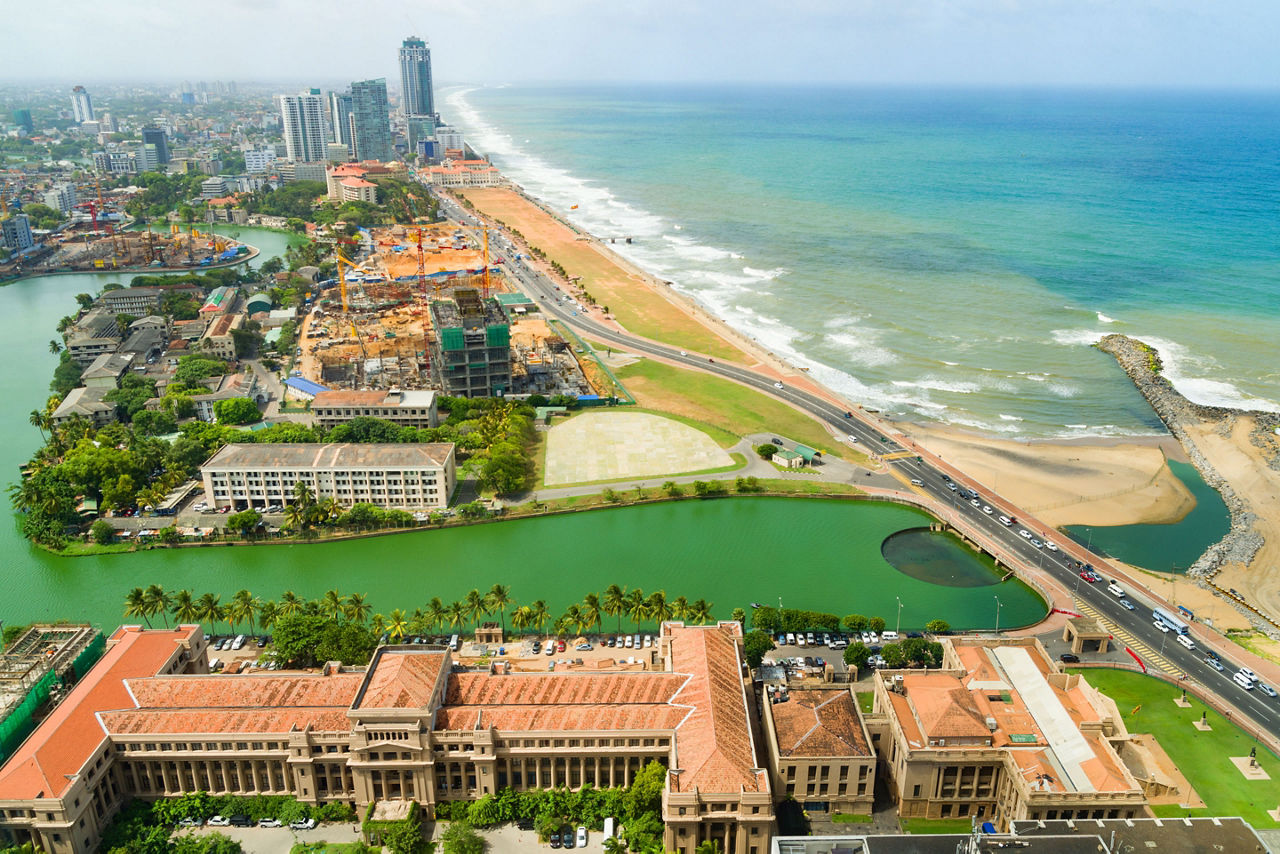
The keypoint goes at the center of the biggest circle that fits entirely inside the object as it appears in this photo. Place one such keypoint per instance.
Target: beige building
(1000, 734)
(217, 340)
(408, 727)
(411, 475)
(820, 752)
(406, 408)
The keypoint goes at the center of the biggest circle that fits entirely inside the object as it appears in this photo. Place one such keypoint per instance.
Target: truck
(1170, 620)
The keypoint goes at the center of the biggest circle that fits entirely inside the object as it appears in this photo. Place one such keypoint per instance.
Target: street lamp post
(898, 625)
(997, 598)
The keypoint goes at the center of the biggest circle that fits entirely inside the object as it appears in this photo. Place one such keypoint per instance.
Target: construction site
(427, 307)
(35, 671)
(89, 246)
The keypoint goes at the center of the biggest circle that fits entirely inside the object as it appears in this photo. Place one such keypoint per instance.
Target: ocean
(943, 256)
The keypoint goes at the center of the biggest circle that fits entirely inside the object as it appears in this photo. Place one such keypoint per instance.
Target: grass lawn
(720, 403)
(866, 701)
(330, 848)
(79, 549)
(850, 818)
(935, 825)
(1146, 704)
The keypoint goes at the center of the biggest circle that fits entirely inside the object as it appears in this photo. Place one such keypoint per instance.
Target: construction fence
(21, 721)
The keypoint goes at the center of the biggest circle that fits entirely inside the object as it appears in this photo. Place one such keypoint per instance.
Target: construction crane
(342, 275)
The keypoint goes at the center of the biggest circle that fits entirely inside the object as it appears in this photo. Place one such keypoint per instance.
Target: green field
(936, 825)
(1146, 704)
(722, 404)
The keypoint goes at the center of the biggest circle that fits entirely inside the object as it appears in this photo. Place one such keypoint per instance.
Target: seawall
(1143, 365)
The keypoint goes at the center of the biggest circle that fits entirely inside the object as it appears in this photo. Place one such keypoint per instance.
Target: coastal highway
(929, 477)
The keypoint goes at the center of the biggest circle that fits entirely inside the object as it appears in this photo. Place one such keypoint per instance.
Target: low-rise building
(358, 190)
(106, 371)
(999, 734)
(820, 752)
(86, 403)
(408, 476)
(136, 301)
(218, 341)
(407, 408)
(94, 334)
(462, 173)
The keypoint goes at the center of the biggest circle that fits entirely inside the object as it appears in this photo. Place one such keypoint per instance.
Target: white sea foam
(1181, 367)
(764, 274)
(1102, 318)
(1004, 417)
(938, 384)
(1076, 337)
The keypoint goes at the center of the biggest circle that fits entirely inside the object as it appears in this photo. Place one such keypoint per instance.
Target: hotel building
(407, 727)
(408, 476)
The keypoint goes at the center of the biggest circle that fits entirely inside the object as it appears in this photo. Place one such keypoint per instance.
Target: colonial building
(820, 752)
(410, 476)
(407, 408)
(1000, 734)
(407, 727)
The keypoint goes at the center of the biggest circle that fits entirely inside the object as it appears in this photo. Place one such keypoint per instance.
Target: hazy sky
(1176, 43)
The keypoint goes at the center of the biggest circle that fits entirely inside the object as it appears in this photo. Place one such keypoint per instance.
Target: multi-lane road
(929, 478)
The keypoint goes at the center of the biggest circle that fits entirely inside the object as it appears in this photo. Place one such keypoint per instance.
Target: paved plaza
(611, 445)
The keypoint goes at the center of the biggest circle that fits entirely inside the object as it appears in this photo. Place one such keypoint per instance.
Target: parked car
(219, 821)
(1069, 658)
(241, 821)
(270, 822)
(555, 839)
(566, 837)
(190, 822)
(582, 837)
(584, 647)
(302, 824)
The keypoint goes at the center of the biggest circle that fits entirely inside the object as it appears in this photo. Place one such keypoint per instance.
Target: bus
(1170, 620)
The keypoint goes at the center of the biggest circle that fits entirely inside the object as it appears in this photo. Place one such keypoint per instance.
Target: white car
(852, 438)
(1116, 590)
(915, 481)
(888, 636)
(975, 502)
(777, 385)
(683, 353)
(1024, 533)
(1050, 546)
(219, 821)
(582, 837)
(986, 508)
(302, 824)
(1036, 543)
(866, 638)
(1159, 624)
(875, 638)
(1006, 521)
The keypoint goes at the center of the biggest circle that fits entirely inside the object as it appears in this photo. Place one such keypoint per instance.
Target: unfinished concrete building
(472, 348)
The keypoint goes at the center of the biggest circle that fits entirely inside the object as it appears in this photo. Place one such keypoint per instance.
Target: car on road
(302, 824)
(1242, 680)
(775, 440)
(1006, 521)
(1089, 576)
(1159, 624)
(270, 822)
(915, 481)
(1266, 689)
(1248, 674)
(1115, 590)
(852, 438)
(986, 508)
(952, 486)
(777, 385)
(1024, 533)
(1126, 604)
(1036, 543)
(975, 502)
(219, 821)
(1213, 662)
(1050, 546)
(683, 353)
(1069, 658)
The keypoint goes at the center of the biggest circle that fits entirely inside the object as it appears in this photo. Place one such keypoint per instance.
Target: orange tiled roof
(819, 723)
(560, 718)
(714, 748)
(50, 757)
(248, 691)
(357, 183)
(348, 169)
(944, 707)
(401, 679)
(232, 721)
(348, 398)
(554, 689)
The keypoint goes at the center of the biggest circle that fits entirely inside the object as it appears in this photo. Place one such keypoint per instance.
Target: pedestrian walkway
(1150, 656)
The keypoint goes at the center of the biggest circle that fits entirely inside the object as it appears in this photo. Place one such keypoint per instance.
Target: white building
(406, 408)
(115, 162)
(409, 476)
(303, 123)
(61, 197)
(81, 105)
(213, 188)
(15, 232)
(259, 160)
(449, 138)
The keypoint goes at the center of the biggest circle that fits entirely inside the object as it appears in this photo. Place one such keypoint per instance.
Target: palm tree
(332, 605)
(295, 517)
(571, 620)
(498, 599)
(185, 609)
(418, 623)
(290, 604)
(37, 421)
(243, 608)
(210, 610)
(378, 625)
(357, 610)
(680, 608)
(455, 614)
(267, 613)
(700, 612)
(157, 602)
(435, 612)
(303, 494)
(637, 609)
(55, 346)
(328, 509)
(135, 605)
(540, 615)
(522, 618)
(659, 610)
(615, 603)
(591, 611)
(396, 625)
(475, 607)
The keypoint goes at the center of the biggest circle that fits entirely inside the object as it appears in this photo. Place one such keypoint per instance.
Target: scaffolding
(40, 664)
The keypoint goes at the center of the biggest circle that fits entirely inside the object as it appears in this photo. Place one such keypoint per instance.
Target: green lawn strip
(725, 404)
(330, 848)
(739, 461)
(936, 825)
(866, 701)
(850, 818)
(1147, 706)
(807, 487)
(77, 549)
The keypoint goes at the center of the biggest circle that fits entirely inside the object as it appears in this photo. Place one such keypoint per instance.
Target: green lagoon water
(1165, 548)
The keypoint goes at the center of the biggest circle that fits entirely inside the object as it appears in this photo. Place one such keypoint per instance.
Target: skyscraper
(415, 78)
(302, 117)
(370, 122)
(22, 118)
(340, 116)
(156, 137)
(81, 105)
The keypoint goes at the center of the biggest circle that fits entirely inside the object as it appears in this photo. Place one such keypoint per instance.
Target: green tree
(739, 616)
(656, 606)
(497, 600)
(476, 607)
(937, 627)
(856, 655)
(637, 607)
(135, 605)
(755, 644)
(185, 608)
(876, 624)
(855, 623)
(893, 655)
(461, 838)
(766, 451)
(157, 602)
(102, 532)
(357, 609)
(211, 610)
(615, 603)
(236, 410)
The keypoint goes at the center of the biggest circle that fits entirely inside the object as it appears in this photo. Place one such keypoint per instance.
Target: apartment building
(409, 476)
(136, 301)
(407, 727)
(472, 349)
(406, 408)
(1000, 734)
(820, 752)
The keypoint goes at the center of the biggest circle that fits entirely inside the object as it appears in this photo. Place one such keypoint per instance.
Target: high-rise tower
(415, 78)
(303, 118)
(370, 121)
(81, 105)
(340, 118)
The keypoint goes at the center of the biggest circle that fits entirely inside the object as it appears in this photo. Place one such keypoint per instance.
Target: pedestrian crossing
(898, 455)
(1149, 655)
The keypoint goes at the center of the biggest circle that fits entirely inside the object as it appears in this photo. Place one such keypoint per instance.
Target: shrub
(102, 532)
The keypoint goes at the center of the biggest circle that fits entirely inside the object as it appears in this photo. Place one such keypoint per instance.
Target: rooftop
(47, 762)
(330, 456)
(401, 678)
(819, 723)
(414, 398)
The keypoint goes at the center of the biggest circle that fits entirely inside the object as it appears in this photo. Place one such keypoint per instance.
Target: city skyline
(1177, 43)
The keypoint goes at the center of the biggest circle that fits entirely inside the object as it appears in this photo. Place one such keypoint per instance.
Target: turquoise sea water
(940, 255)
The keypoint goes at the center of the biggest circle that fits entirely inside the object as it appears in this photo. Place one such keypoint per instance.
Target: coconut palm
(135, 605)
(700, 612)
(37, 421)
(615, 603)
(357, 610)
(571, 620)
(290, 604)
(522, 618)
(435, 612)
(476, 606)
(659, 610)
(396, 624)
(157, 602)
(211, 610)
(497, 600)
(378, 625)
(680, 608)
(637, 608)
(332, 605)
(304, 494)
(267, 613)
(295, 517)
(455, 614)
(418, 622)
(185, 609)
(55, 346)
(243, 608)
(540, 615)
(328, 509)
(591, 611)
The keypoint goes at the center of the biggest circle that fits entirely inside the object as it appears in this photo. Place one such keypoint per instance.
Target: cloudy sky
(1176, 43)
